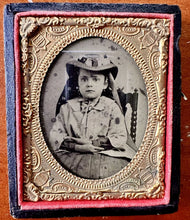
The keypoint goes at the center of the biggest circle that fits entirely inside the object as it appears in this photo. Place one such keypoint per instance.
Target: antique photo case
(90, 89)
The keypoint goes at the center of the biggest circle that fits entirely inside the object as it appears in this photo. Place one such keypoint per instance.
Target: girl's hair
(71, 89)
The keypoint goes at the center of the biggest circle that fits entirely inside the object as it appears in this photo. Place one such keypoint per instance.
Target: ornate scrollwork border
(146, 41)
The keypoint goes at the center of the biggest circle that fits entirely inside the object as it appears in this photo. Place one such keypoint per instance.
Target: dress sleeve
(58, 131)
(117, 132)
(117, 135)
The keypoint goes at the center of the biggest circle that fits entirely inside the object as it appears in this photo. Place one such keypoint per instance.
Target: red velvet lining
(19, 148)
(95, 203)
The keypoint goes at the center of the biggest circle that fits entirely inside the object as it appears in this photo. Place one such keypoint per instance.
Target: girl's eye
(95, 79)
(83, 79)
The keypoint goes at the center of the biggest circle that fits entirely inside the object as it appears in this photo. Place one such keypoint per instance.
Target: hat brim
(73, 65)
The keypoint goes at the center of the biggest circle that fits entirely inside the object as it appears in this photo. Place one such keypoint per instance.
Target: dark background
(184, 204)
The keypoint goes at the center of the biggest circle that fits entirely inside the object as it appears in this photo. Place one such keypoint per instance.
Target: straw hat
(93, 63)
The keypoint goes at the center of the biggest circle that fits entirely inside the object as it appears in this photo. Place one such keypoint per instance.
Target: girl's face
(91, 84)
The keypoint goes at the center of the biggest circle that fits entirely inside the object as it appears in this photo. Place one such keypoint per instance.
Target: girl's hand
(83, 145)
(77, 140)
(87, 148)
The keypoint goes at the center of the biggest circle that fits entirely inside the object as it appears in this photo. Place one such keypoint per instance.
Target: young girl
(89, 135)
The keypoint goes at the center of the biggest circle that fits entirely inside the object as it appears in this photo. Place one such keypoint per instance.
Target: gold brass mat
(42, 39)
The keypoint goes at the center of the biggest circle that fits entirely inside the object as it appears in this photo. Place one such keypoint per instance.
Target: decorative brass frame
(146, 40)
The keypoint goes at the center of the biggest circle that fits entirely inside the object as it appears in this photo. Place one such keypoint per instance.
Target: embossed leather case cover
(34, 189)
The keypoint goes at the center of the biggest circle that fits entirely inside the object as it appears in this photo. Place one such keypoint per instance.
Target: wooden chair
(132, 99)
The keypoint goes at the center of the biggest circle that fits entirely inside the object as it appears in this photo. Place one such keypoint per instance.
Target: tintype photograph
(94, 108)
